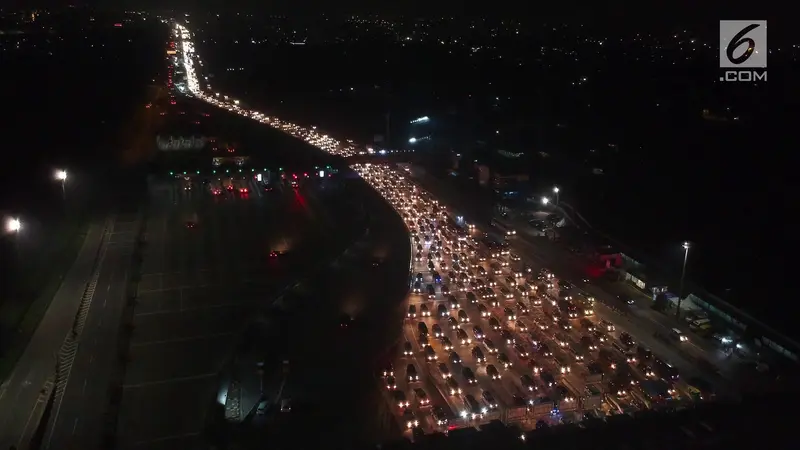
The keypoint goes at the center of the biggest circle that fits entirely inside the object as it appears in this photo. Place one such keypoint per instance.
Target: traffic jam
(490, 336)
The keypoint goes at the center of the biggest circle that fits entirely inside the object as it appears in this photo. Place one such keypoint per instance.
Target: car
(444, 370)
(462, 337)
(412, 311)
(483, 310)
(462, 316)
(547, 378)
(422, 397)
(453, 302)
(472, 298)
(431, 291)
(446, 344)
(410, 419)
(453, 322)
(437, 331)
(424, 311)
(527, 383)
(534, 366)
(494, 323)
(191, 224)
(588, 343)
(522, 309)
(492, 372)
(400, 399)
(430, 353)
(522, 326)
(417, 289)
(391, 383)
(408, 350)
(509, 313)
(627, 340)
(477, 353)
(441, 310)
(507, 337)
(503, 359)
(491, 403)
(452, 386)
(439, 416)
(466, 372)
(411, 373)
(544, 350)
(521, 352)
(477, 333)
(489, 345)
(454, 358)
(600, 336)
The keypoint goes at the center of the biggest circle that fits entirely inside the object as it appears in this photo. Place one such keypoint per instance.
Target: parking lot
(489, 335)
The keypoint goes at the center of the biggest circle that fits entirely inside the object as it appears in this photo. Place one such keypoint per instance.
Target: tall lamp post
(13, 226)
(61, 175)
(686, 246)
(556, 190)
(545, 202)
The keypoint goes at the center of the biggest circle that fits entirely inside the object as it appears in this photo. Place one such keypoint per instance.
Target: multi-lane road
(488, 331)
(77, 415)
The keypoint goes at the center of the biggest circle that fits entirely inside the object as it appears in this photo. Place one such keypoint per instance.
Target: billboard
(180, 143)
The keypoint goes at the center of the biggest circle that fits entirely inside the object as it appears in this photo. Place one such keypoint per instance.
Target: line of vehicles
(489, 336)
(537, 356)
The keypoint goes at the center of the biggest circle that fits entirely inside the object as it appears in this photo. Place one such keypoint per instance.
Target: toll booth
(592, 398)
(542, 407)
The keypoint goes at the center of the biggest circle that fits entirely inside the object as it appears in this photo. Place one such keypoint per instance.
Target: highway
(467, 293)
(21, 396)
(78, 418)
(557, 366)
(548, 254)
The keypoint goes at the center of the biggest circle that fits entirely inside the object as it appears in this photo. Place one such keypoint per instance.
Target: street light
(545, 201)
(555, 191)
(686, 246)
(61, 175)
(13, 225)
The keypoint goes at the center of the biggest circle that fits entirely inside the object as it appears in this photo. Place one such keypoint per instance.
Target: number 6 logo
(739, 40)
(742, 44)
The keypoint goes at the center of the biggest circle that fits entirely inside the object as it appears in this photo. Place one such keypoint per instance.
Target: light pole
(686, 246)
(61, 175)
(556, 191)
(13, 226)
(545, 202)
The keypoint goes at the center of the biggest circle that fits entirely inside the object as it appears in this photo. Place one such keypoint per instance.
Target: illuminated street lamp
(686, 246)
(13, 225)
(61, 175)
(556, 191)
(545, 201)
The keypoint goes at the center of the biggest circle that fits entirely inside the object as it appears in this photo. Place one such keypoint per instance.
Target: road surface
(78, 417)
(332, 370)
(22, 391)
